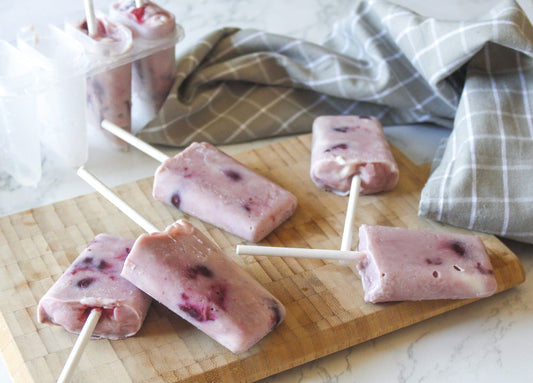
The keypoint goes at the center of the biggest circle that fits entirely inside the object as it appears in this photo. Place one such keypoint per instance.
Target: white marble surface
(488, 341)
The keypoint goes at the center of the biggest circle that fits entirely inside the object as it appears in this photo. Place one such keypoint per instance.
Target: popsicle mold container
(59, 91)
(46, 80)
(20, 153)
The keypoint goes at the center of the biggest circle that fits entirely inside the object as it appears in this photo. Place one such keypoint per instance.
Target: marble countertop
(487, 341)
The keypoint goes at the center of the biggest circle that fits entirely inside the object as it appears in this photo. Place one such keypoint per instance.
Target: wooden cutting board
(325, 309)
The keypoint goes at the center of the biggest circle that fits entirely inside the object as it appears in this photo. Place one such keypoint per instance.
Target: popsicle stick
(295, 252)
(95, 314)
(139, 3)
(134, 141)
(79, 346)
(344, 254)
(90, 17)
(115, 200)
(347, 234)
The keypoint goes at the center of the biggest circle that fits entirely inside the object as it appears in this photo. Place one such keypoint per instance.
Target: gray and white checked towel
(473, 76)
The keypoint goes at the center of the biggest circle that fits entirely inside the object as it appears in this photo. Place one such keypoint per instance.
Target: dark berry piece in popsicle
(341, 129)
(84, 283)
(458, 248)
(337, 147)
(232, 174)
(194, 271)
(175, 200)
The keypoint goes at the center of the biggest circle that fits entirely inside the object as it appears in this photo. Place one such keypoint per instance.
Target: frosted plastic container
(43, 94)
(20, 149)
(61, 90)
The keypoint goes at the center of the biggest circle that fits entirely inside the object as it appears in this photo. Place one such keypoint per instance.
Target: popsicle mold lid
(56, 56)
(103, 54)
(68, 52)
(51, 48)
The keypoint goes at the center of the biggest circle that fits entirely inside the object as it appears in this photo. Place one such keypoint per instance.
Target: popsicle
(108, 91)
(93, 281)
(348, 146)
(206, 183)
(398, 264)
(185, 271)
(152, 76)
(188, 273)
(406, 264)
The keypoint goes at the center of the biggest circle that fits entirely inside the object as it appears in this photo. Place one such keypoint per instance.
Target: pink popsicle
(94, 281)
(344, 146)
(153, 75)
(210, 185)
(406, 264)
(188, 273)
(109, 91)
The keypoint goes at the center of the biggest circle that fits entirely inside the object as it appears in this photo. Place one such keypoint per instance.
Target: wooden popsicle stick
(134, 141)
(79, 346)
(92, 28)
(294, 252)
(115, 200)
(347, 234)
(139, 3)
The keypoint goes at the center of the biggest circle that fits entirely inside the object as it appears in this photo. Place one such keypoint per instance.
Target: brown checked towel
(475, 77)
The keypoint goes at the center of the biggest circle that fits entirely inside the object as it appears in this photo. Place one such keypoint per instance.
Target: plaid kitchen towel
(473, 76)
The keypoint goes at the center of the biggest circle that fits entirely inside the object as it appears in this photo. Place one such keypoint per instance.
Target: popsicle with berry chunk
(208, 184)
(92, 282)
(109, 85)
(400, 264)
(344, 147)
(185, 271)
(405, 264)
(188, 273)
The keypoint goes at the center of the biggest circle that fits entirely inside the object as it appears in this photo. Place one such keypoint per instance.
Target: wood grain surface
(324, 299)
